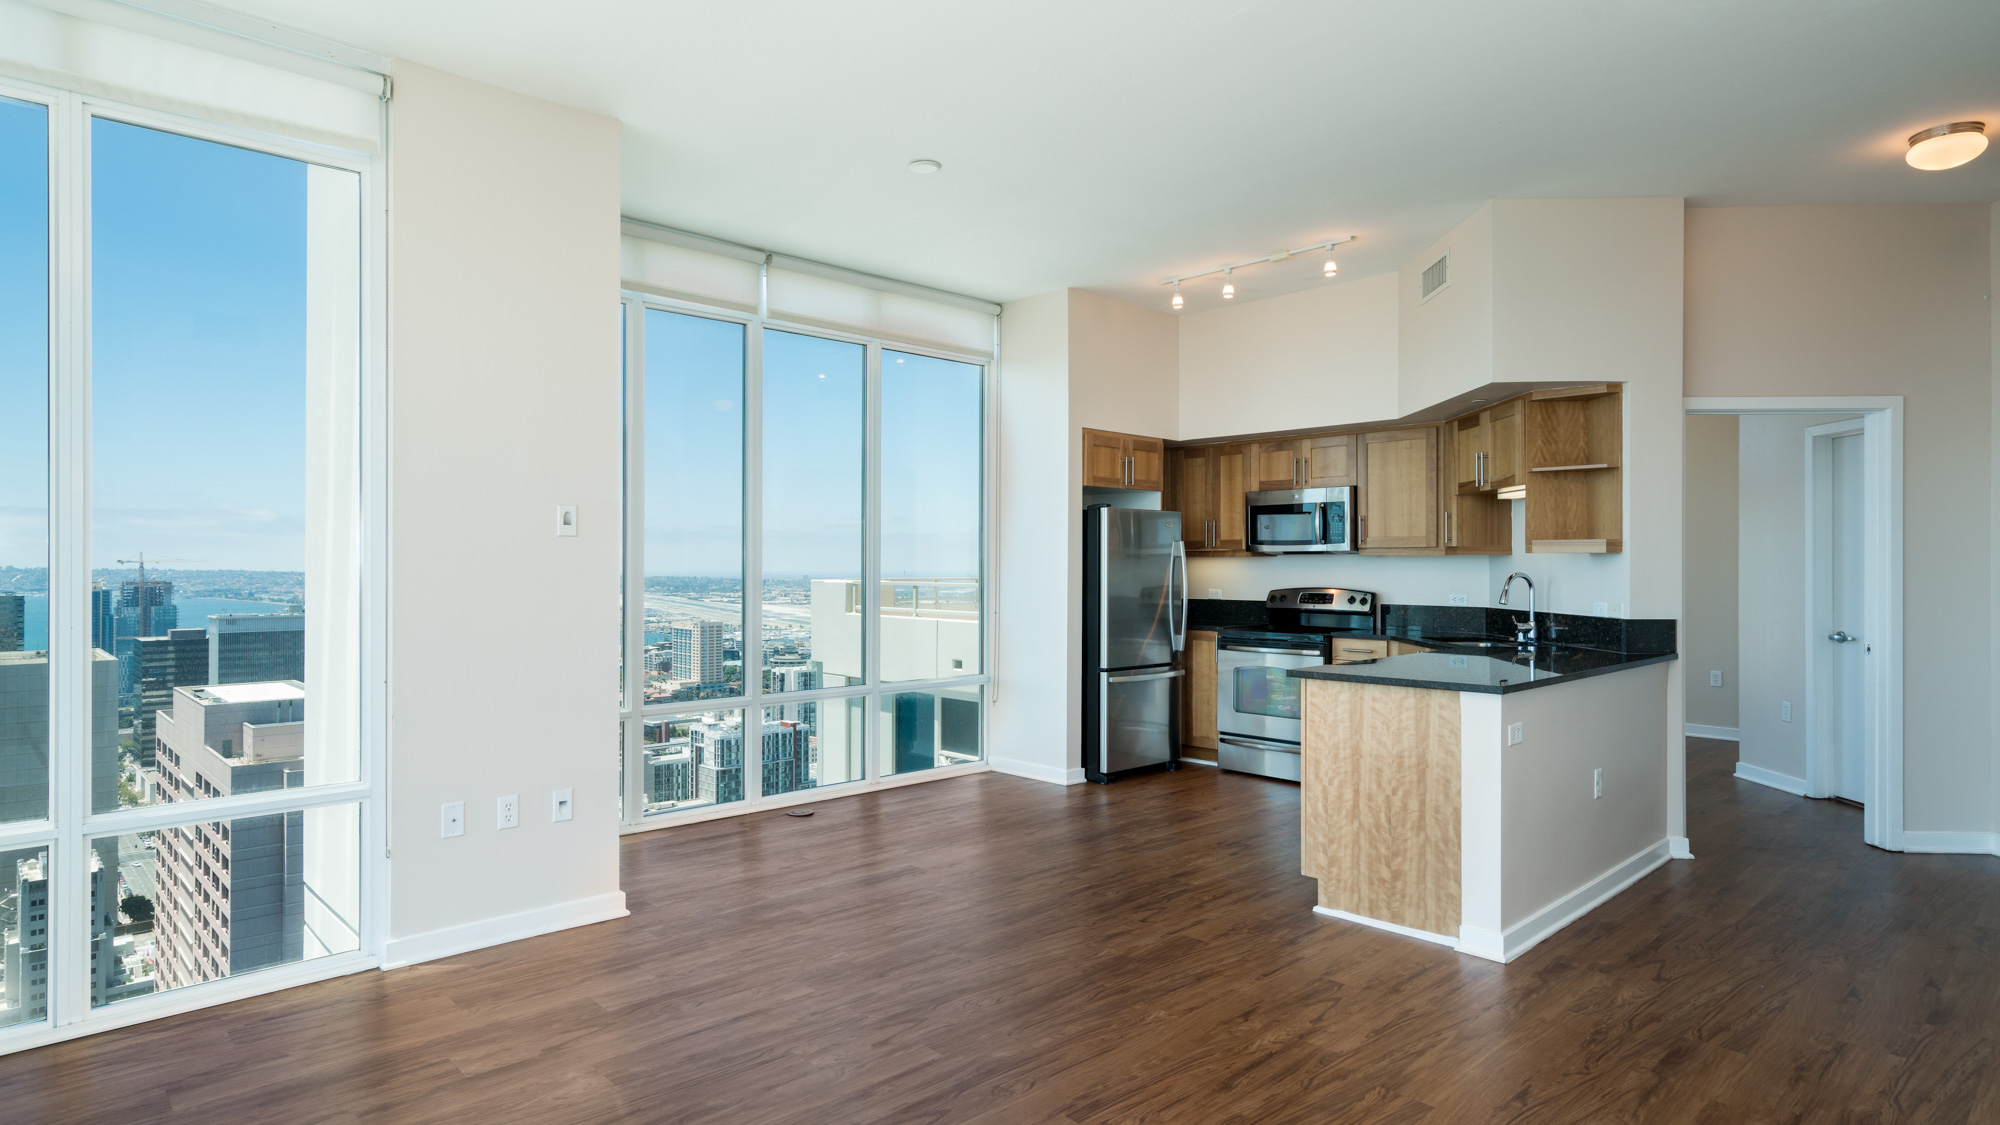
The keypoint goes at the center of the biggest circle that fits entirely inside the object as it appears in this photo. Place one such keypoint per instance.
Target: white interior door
(1848, 731)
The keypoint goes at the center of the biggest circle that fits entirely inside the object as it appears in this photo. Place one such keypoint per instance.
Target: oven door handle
(1247, 744)
(1272, 651)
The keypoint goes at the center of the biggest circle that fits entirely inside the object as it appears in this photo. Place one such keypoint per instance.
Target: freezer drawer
(1135, 720)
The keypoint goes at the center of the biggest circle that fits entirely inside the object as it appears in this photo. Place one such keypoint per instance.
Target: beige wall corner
(1124, 364)
(1708, 624)
(503, 403)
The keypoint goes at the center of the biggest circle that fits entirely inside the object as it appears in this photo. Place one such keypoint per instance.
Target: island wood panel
(1379, 808)
(1198, 737)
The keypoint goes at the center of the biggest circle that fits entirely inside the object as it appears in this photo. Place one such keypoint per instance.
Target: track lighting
(1228, 272)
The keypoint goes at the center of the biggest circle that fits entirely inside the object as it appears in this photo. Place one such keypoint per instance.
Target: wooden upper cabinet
(1488, 446)
(1276, 465)
(1113, 460)
(1330, 460)
(1399, 489)
(1206, 487)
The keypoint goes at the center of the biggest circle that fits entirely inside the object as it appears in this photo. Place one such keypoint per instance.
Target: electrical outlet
(1460, 599)
(1715, 678)
(560, 807)
(508, 812)
(565, 519)
(451, 820)
(1785, 711)
(1599, 609)
(1215, 593)
(1596, 784)
(1513, 734)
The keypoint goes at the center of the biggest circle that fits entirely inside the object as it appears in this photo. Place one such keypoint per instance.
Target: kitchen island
(1483, 797)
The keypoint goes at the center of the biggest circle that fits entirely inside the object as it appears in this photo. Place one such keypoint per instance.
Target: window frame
(634, 712)
(71, 828)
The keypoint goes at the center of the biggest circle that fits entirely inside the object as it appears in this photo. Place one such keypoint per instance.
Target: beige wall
(503, 403)
(1792, 301)
(1324, 356)
(1708, 624)
(1124, 365)
(1446, 343)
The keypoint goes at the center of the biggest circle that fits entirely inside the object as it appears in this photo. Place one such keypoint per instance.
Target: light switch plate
(508, 811)
(565, 519)
(560, 805)
(451, 820)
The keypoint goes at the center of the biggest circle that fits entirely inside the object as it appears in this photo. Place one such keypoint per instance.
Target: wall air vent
(1437, 275)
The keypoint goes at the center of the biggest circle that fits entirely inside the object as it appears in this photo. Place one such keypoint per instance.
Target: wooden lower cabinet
(1198, 733)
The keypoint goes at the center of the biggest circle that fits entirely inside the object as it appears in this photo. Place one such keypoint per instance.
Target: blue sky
(813, 450)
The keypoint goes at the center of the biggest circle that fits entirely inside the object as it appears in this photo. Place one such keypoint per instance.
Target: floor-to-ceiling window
(184, 795)
(806, 512)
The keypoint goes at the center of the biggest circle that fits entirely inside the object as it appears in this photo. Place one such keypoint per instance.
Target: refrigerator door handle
(1177, 595)
(1175, 674)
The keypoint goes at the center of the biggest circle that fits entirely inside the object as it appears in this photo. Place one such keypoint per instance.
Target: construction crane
(145, 599)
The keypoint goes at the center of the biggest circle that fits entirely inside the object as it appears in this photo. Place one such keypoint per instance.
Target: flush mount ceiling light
(925, 167)
(1228, 271)
(1947, 146)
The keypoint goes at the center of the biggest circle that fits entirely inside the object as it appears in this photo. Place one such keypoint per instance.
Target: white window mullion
(69, 559)
(634, 464)
(871, 567)
(753, 563)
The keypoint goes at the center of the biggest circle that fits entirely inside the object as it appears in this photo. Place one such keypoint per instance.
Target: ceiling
(1104, 144)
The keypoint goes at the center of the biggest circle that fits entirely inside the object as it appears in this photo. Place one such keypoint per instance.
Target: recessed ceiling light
(925, 167)
(1946, 146)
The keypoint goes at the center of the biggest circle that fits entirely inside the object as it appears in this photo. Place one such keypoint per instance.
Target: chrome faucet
(1524, 631)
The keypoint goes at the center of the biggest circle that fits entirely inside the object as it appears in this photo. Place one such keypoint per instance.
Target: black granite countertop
(1458, 667)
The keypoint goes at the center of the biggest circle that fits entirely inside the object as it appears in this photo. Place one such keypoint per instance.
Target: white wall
(1032, 728)
(1771, 569)
(504, 402)
(1325, 356)
(1405, 579)
(1791, 301)
(1447, 342)
(1709, 626)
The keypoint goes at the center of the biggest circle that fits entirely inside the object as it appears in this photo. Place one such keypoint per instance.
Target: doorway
(1815, 626)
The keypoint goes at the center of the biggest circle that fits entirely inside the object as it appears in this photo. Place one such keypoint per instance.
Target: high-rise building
(669, 772)
(13, 623)
(718, 756)
(698, 651)
(254, 647)
(231, 893)
(792, 678)
(143, 609)
(660, 658)
(179, 659)
(103, 617)
(24, 736)
(24, 940)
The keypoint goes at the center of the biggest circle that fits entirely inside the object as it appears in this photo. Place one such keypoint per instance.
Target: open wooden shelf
(1567, 468)
(1575, 441)
(1576, 546)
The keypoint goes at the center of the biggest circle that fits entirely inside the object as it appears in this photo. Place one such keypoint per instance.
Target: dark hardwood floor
(989, 951)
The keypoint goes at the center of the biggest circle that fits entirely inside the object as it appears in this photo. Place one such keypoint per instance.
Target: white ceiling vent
(1437, 275)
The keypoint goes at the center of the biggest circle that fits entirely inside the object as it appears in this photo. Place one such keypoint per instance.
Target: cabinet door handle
(1447, 528)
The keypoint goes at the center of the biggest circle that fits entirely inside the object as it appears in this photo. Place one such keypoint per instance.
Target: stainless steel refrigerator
(1134, 630)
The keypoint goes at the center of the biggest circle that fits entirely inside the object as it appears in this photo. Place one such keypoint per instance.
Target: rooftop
(247, 693)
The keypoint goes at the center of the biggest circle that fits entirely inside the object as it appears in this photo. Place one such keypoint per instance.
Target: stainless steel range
(1257, 704)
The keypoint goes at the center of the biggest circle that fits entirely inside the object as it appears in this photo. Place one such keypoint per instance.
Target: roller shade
(677, 264)
(131, 55)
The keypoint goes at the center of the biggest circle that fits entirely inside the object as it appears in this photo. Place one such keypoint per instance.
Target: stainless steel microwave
(1300, 521)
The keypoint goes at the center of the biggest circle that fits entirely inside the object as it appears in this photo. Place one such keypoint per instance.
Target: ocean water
(194, 613)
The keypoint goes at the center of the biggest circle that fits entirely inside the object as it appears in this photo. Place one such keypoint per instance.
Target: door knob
(1839, 638)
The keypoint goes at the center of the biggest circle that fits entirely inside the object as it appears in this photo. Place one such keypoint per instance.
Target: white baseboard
(1534, 929)
(1701, 730)
(1782, 782)
(1036, 771)
(1952, 843)
(498, 931)
(1476, 942)
(1392, 927)
(1677, 848)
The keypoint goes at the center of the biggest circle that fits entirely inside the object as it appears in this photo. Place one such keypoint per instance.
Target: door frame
(1881, 423)
(1822, 696)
